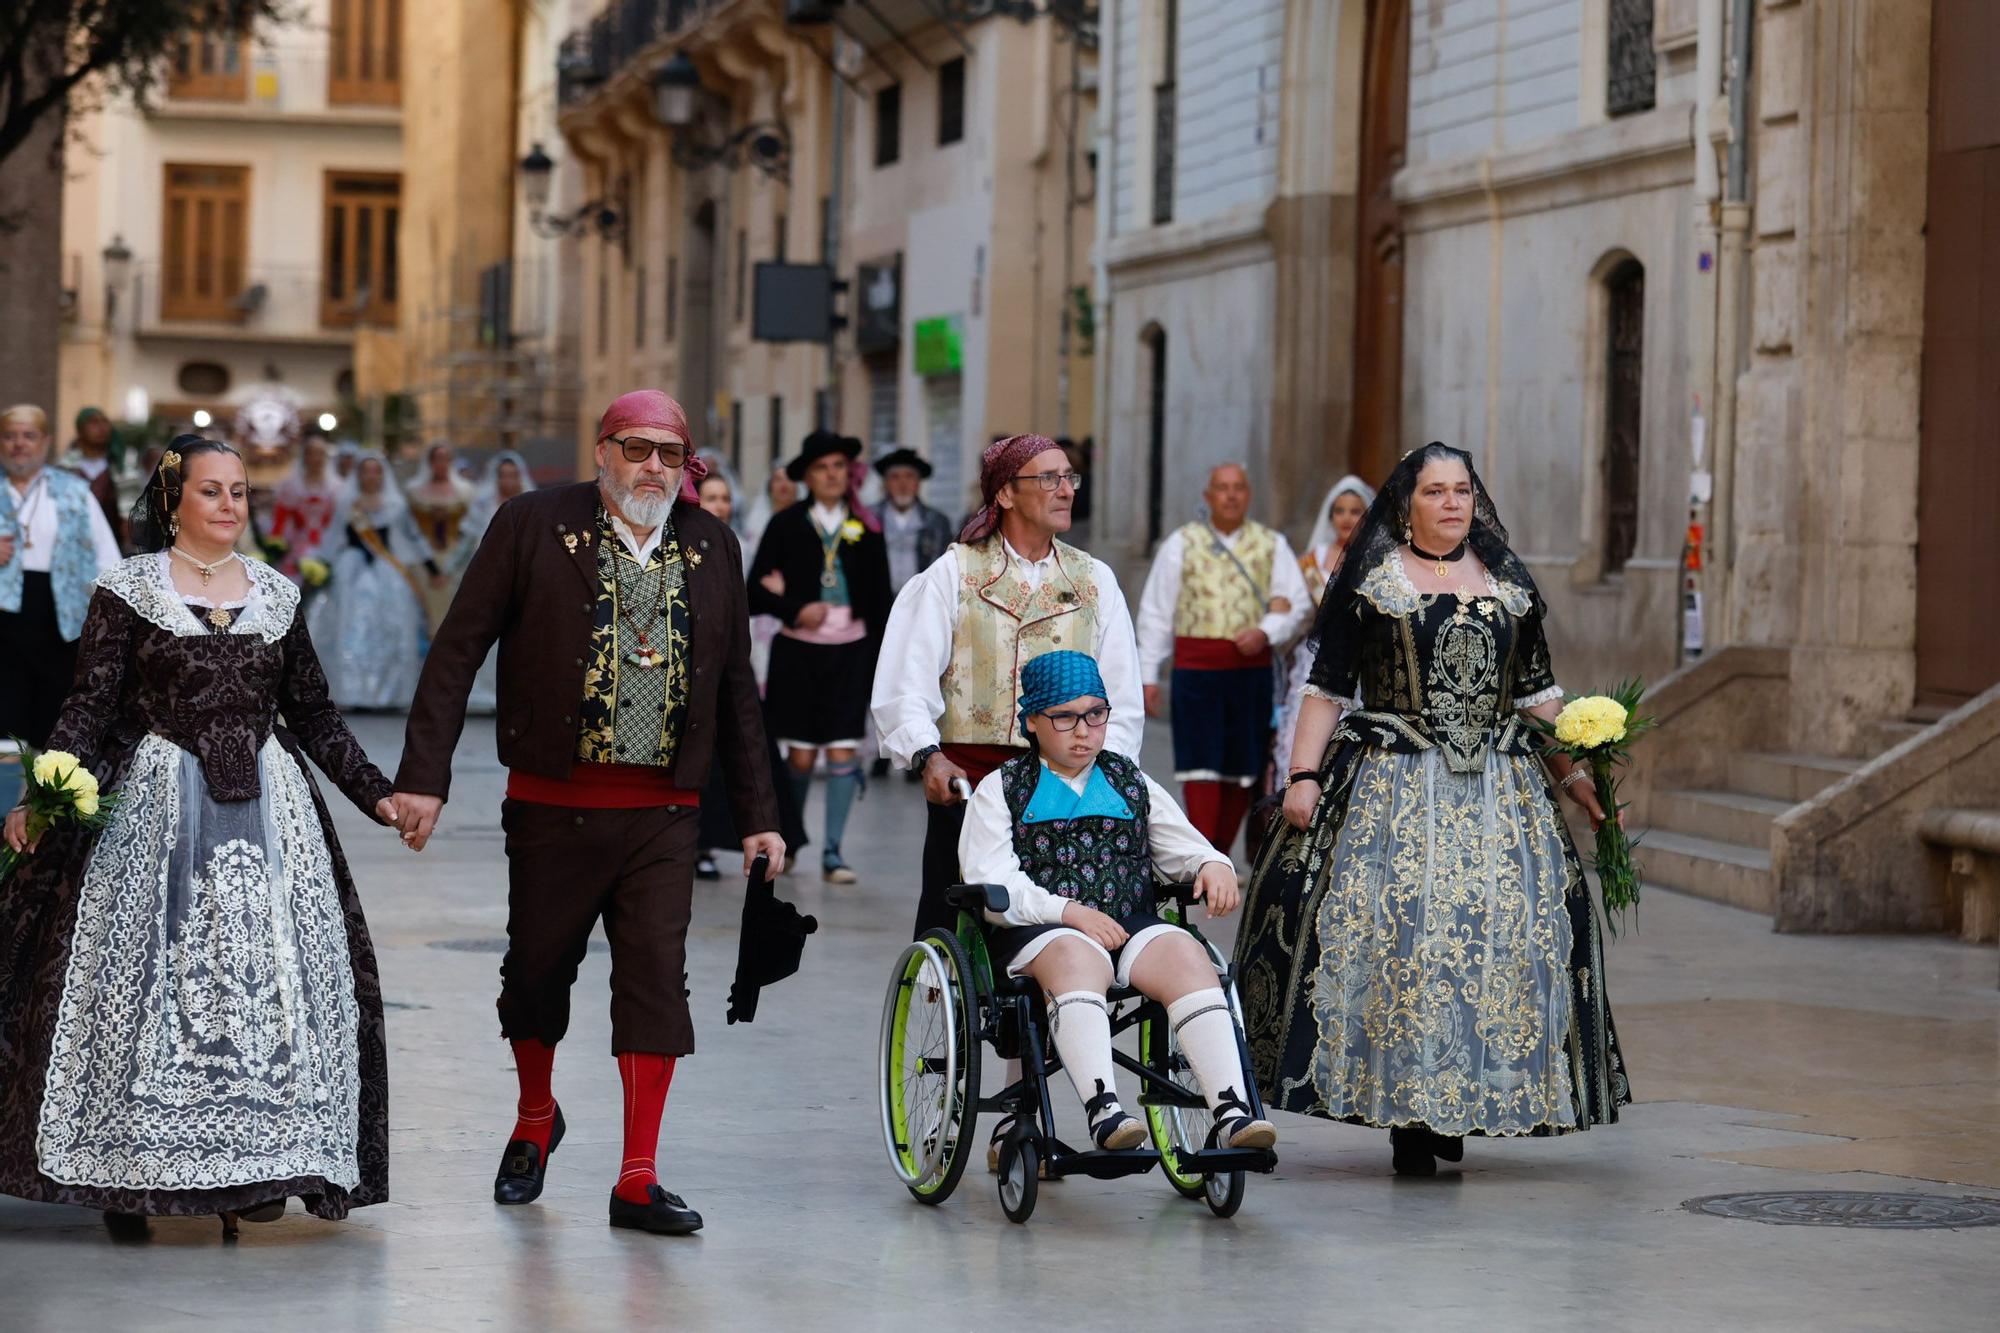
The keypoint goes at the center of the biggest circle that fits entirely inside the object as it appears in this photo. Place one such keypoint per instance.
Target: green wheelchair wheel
(929, 1059)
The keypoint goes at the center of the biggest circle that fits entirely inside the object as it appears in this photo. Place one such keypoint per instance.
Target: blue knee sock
(843, 784)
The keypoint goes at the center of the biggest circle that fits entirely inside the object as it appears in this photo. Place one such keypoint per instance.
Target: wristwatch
(922, 757)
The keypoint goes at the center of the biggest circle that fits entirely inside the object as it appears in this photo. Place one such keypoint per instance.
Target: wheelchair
(947, 1001)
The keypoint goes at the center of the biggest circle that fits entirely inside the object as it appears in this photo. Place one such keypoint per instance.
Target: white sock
(1207, 1036)
(1081, 1026)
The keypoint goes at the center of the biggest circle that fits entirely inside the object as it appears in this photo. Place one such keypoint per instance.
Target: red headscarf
(650, 407)
(999, 465)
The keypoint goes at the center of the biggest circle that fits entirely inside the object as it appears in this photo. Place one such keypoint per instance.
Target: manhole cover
(495, 946)
(1845, 1208)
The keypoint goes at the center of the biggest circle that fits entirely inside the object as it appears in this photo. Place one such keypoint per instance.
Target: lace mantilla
(144, 583)
(207, 1033)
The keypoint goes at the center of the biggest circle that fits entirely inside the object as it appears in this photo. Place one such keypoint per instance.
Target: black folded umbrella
(772, 941)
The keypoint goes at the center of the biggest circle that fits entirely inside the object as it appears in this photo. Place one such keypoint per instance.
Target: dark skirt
(1278, 953)
(1222, 724)
(38, 905)
(816, 693)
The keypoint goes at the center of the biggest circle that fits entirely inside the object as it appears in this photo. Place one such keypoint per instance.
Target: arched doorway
(1378, 293)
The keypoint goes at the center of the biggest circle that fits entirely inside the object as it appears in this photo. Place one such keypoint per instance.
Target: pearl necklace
(207, 570)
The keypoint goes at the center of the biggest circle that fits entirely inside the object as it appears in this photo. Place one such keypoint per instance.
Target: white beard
(641, 511)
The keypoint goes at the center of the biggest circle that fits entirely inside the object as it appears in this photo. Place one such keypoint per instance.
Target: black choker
(1438, 562)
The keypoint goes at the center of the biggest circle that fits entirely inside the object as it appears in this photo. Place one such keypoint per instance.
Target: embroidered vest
(1216, 600)
(1002, 623)
(630, 714)
(1100, 860)
(74, 565)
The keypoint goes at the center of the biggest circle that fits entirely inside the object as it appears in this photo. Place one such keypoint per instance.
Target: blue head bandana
(1057, 678)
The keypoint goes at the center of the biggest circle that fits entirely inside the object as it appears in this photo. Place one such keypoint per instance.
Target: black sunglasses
(672, 453)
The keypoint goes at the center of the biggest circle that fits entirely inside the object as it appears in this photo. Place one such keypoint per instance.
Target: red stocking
(646, 1077)
(1235, 804)
(1204, 808)
(535, 1112)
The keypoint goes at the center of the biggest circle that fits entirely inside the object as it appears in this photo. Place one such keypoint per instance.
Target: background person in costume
(370, 619)
(54, 539)
(624, 677)
(303, 507)
(1006, 591)
(440, 503)
(1340, 516)
(1419, 948)
(1077, 837)
(1222, 594)
(831, 594)
(95, 456)
(506, 477)
(190, 1014)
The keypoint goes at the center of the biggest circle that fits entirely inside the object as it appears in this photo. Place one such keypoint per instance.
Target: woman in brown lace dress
(190, 1016)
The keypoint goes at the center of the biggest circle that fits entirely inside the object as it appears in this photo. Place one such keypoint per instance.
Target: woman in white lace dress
(190, 1014)
(506, 477)
(370, 619)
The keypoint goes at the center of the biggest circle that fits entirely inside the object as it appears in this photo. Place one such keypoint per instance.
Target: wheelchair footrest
(1216, 1161)
(1098, 1163)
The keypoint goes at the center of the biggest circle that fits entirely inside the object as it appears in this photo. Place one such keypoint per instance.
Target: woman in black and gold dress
(190, 1015)
(1419, 947)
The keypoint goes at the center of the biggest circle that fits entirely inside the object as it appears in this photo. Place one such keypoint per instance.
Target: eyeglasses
(1050, 481)
(672, 453)
(1095, 717)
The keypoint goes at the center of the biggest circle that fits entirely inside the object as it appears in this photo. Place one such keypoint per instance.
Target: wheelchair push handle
(963, 786)
(1181, 894)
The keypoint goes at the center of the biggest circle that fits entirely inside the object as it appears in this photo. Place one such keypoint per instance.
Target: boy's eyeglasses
(672, 453)
(1095, 717)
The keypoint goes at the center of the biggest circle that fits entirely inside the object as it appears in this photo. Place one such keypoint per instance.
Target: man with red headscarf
(624, 673)
(1007, 591)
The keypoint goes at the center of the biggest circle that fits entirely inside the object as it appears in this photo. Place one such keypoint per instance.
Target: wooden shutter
(205, 230)
(209, 67)
(358, 282)
(365, 53)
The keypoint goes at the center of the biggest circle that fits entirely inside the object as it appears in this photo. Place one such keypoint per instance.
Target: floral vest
(1002, 623)
(1093, 848)
(632, 714)
(1216, 600)
(75, 564)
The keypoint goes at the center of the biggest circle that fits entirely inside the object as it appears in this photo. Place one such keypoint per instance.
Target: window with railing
(951, 101)
(360, 279)
(365, 53)
(209, 67)
(888, 124)
(1630, 66)
(1625, 372)
(205, 213)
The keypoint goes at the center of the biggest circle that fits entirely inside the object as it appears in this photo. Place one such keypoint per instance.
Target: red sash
(602, 787)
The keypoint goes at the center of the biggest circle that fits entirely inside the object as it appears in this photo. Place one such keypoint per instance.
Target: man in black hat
(916, 533)
(831, 594)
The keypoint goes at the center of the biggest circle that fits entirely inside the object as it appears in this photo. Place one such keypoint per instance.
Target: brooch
(694, 558)
(586, 538)
(219, 618)
(569, 540)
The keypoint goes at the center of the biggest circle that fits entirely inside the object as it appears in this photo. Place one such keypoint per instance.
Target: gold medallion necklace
(207, 570)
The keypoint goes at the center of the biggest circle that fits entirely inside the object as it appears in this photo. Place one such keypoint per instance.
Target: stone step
(1887, 735)
(1723, 872)
(1786, 777)
(1723, 816)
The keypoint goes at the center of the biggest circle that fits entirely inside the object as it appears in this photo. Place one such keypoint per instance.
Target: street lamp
(117, 268)
(537, 170)
(765, 145)
(327, 421)
(675, 85)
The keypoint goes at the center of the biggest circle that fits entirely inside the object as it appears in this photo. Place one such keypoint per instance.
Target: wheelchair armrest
(978, 898)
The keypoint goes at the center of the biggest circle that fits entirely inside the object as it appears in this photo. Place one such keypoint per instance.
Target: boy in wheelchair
(1077, 837)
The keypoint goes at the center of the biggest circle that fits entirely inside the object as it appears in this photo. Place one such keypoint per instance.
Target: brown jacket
(536, 593)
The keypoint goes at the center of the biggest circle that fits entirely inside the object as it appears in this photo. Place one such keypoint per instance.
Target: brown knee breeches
(565, 868)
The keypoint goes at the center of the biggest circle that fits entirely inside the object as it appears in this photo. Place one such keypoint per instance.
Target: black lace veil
(152, 512)
(1386, 524)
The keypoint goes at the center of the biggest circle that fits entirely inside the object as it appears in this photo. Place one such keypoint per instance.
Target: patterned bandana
(1056, 678)
(998, 466)
(650, 407)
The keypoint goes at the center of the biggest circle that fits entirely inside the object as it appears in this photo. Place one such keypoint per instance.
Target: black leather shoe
(525, 1166)
(663, 1214)
(1411, 1150)
(127, 1228)
(1447, 1147)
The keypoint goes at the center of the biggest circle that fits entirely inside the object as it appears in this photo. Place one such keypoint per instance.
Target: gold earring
(173, 526)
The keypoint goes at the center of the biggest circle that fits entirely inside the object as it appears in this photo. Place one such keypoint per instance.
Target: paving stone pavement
(1763, 1062)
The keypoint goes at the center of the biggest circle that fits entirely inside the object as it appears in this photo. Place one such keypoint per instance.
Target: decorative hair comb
(170, 461)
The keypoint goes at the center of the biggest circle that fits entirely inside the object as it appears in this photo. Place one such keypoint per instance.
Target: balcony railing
(594, 53)
(278, 302)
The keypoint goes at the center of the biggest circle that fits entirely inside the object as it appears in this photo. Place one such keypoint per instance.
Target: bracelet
(1302, 775)
(1575, 773)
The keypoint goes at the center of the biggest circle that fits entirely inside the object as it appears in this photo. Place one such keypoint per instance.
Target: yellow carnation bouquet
(314, 574)
(55, 788)
(1595, 730)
